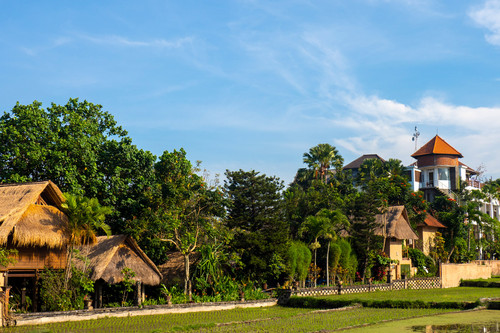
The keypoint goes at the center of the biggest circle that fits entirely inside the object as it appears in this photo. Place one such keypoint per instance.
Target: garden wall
(451, 274)
(495, 265)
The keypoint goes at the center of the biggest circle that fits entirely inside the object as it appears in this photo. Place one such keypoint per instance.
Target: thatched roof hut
(173, 270)
(394, 223)
(31, 214)
(110, 255)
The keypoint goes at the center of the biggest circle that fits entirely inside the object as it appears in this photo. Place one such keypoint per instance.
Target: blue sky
(254, 84)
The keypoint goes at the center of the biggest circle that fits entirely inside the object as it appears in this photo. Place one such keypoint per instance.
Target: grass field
(269, 319)
(469, 321)
(460, 294)
(278, 319)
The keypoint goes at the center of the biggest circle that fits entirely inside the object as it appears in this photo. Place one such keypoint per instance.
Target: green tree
(79, 147)
(325, 224)
(185, 211)
(86, 217)
(256, 217)
(321, 158)
(298, 259)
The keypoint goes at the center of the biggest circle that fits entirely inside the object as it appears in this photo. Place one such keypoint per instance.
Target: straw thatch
(173, 270)
(396, 223)
(110, 255)
(30, 212)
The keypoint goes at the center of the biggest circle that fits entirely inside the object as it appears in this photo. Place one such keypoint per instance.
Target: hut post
(35, 291)
(143, 292)
(138, 293)
(98, 294)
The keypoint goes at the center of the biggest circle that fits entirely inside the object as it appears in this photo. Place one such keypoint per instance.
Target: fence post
(339, 288)
(405, 283)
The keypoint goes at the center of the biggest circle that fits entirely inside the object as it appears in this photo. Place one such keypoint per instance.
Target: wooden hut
(107, 258)
(31, 221)
(395, 227)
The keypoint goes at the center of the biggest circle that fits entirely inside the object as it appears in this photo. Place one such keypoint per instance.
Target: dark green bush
(479, 283)
(331, 303)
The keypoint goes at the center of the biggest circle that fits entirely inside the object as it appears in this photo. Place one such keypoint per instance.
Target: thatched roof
(174, 267)
(30, 212)
(396, 223)
(110, 255)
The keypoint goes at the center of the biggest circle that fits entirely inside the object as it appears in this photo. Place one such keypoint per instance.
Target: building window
(443, 174)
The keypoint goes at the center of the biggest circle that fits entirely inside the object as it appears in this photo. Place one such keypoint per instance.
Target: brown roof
(357, 162)
(31, 213)
(437, 146)
(396, 224)
(174, 267)
(111, 254)
(431, 221)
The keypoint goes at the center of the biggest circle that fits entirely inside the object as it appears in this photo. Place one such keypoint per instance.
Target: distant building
(438, 170)
(354, 165)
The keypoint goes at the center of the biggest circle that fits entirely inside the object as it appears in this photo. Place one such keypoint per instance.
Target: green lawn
(268, 319)
(460, 294)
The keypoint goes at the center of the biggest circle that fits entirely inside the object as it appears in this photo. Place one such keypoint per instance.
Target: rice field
(268, 319)
(460, 294)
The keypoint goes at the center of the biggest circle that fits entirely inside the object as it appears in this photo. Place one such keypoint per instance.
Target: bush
(425, 265)
(53, 295)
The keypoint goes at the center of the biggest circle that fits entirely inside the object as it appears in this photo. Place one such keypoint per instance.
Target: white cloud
(115, 40)
(488, 16)
(385, 127)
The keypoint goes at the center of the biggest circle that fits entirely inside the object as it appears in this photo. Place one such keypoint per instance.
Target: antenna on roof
(415, 137)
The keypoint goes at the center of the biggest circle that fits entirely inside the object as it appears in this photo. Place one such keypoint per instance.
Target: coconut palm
(321, 158)
(325, 224)
(85, 216)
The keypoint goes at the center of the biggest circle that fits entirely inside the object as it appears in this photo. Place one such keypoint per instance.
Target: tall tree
(325, 224)
(321, 158)
(81, 148)
(255, 214)
(186, 211)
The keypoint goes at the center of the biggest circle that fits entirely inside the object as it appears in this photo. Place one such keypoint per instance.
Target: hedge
(323, 303)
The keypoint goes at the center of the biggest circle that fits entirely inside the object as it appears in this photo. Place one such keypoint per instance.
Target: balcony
(474, 183)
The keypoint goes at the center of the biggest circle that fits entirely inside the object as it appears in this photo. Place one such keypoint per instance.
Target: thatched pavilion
(395, 227)
(109, 256)
(31, 221)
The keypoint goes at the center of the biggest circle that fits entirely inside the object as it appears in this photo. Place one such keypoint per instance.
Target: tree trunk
(314, 268)
(328, 265)
(67, 272)
(187, 286)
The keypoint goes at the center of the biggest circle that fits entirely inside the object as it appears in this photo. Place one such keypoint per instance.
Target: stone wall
(451, 274)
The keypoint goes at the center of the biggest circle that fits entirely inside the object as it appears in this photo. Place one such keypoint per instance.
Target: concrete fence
(451, 274)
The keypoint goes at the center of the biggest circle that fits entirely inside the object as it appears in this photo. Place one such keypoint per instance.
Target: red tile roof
(436, 146)
(431, 221)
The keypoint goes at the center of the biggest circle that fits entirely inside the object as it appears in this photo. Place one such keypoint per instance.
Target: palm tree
(338, 221)
(321, 158)
(325, 224)
(85, 216)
